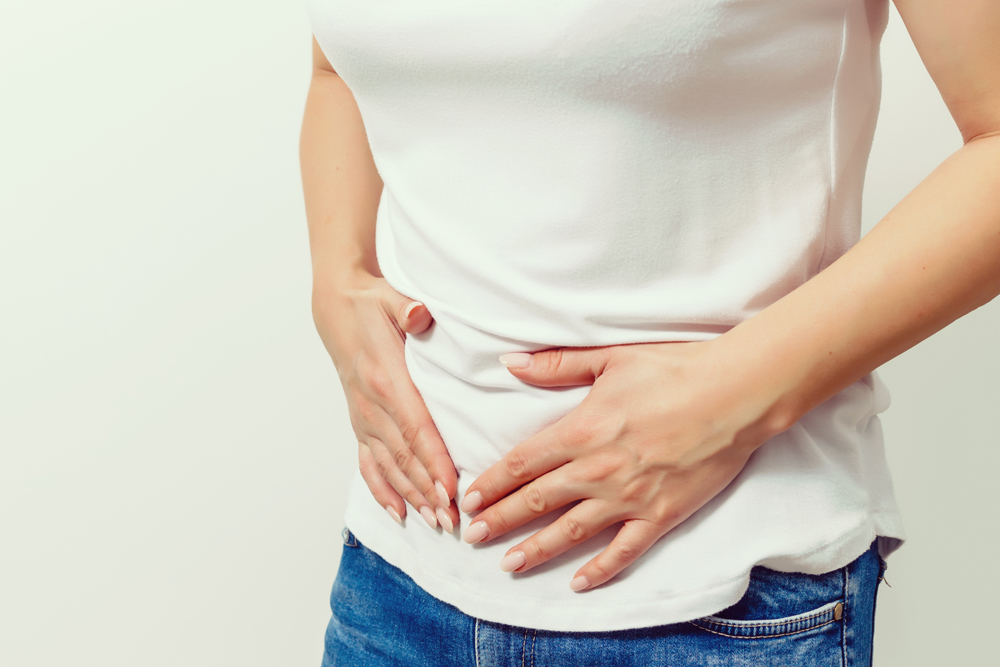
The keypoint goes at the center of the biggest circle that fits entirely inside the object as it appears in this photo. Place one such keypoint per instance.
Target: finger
(404, 443)
(400, 481)
(558, 367)
(389, 399)
(548, 449)
(447, 517)
(419, 435)
(547, 493)
(380, 489)
(633, 540)
(415, 318)
(575, 526)
(410, 316)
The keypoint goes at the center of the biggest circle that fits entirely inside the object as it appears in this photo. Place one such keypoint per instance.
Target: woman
(650, 213)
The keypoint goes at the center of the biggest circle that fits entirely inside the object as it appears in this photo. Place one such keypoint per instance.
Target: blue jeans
(381, 618)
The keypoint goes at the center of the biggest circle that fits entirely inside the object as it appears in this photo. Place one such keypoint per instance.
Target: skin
(666, 426)
(361, 320)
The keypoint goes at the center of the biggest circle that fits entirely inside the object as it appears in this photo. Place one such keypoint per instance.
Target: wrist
(331, 285)
(333, 277)
(334, 295)
(758, 387)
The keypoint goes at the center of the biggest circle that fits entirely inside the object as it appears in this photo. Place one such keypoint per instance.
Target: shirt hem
(624, 614)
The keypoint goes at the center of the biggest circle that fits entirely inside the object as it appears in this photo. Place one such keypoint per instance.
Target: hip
(381, 617)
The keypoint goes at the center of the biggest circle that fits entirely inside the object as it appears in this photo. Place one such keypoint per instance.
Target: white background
(174, 446)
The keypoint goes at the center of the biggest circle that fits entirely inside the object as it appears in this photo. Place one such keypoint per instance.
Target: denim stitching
(524, 645)
(762, 624)
(784, 634)
(349, 538)
(534, 636)
(843, 630)
(763, 632)
(475, 641)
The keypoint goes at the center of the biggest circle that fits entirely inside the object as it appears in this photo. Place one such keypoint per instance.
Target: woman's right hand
(363, 323)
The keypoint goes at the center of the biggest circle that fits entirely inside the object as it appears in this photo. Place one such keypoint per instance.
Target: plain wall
(174, 445)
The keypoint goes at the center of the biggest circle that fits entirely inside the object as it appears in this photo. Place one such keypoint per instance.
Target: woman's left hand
(664, 428)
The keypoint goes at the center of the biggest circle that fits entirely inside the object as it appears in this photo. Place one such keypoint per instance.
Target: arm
(639, 452)
(934, 258)
(340, 183)
(360, 318)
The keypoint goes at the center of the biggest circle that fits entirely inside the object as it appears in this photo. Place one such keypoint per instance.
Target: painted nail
(445, 521)
(428, 515)
(442, 494)
(410, 308)
(472, 501)
(394, 514)
(579, 584)
(477, 532)
(512, 561)
(515, 360)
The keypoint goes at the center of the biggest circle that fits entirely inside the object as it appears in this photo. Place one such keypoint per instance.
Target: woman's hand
(400, 453)
(663, 430)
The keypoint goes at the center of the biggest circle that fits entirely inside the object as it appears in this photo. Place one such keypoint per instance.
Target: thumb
(411, 316)
(559, 367)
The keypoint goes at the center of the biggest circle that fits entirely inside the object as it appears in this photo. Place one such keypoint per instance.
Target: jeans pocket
(830, 612)
(778, 604)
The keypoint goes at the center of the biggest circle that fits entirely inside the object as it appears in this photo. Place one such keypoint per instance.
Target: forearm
(934, 258)
(341, 185)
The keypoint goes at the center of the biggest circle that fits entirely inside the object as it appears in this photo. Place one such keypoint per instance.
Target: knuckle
(499, 523)
(581, 431)
(601, 468)
(403, 459)
(554, 360)
(382, 461)
(536, 552)
(589, 428)
(534, 500)
(412, 496)
(517, 466)
(366, 410)
(492, 492)
(601, 569)
(666, 515)
(626, 553)
(367, 465)
(379, 382)
(411, 432)
(633, 492)
(573, 529)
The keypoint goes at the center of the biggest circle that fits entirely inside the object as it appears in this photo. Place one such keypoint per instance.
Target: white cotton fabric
(597, 172)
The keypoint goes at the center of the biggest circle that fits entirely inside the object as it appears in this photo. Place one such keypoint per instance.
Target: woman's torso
(593, 173)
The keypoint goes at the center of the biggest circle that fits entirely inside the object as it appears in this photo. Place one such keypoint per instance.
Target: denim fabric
(382, 618)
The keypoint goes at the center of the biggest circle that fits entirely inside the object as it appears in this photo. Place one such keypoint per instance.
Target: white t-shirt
(597, 172)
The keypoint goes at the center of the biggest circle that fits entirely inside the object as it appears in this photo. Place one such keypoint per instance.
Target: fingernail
(472, 501)
(394, 514)
(442, 494)
(515, 360)
(409, 309)
(477, 532)
(579, 584)
(445, 520)
(428, 515)
(512, 561)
